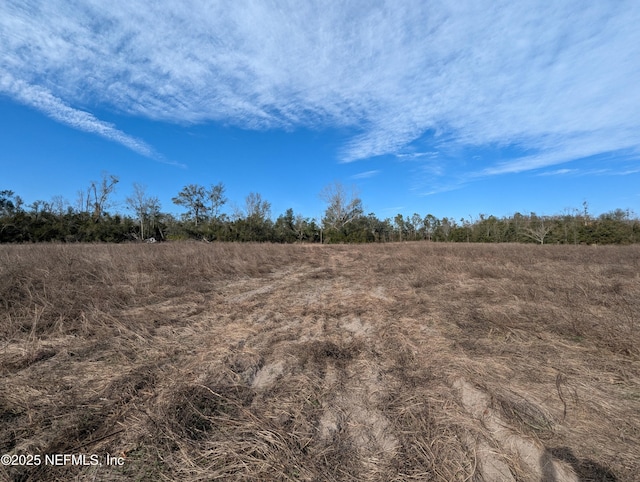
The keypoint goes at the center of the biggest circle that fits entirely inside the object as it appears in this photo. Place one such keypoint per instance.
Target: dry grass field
(386, 362)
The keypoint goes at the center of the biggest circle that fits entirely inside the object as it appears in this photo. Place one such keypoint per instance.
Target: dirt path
(317, 319)
(352, 346)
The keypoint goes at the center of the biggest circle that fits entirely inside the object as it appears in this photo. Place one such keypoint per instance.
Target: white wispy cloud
(558, 172)
(557, 78)
(366, 174)
(439, 188)
(53, 107)
(628, 171)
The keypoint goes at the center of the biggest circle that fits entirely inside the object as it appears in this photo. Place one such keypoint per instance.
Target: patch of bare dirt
(531, 456)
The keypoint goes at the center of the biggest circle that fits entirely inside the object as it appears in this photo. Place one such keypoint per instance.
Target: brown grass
(375, 362)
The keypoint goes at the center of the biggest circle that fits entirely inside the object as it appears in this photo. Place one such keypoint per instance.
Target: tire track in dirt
(357, 403)
(353, 389)
(534, 458)
(277, 281)
(315, 325)
(310, 319)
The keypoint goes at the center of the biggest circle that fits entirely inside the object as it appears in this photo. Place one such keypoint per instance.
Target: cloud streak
(366, 174)
(558, 172)
(557, 78)
(41, 99)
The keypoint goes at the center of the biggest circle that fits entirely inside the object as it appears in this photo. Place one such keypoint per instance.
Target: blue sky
(453, 108)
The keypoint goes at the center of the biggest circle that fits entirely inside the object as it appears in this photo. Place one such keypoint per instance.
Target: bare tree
(256, 209)
(342, 208)
(416, 223)
(82, 202)
(216, 197)
(429, 224)
(146, 208)
(299, 226)
(257, 214)
(539, 233)
(99, 192)
(59, 205)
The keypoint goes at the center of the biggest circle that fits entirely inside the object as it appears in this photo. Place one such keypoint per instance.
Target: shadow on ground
(586, 470)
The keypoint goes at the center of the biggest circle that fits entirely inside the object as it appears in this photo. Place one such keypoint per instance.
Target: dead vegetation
(294, 362)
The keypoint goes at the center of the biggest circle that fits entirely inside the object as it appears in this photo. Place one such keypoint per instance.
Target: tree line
(344, 221)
